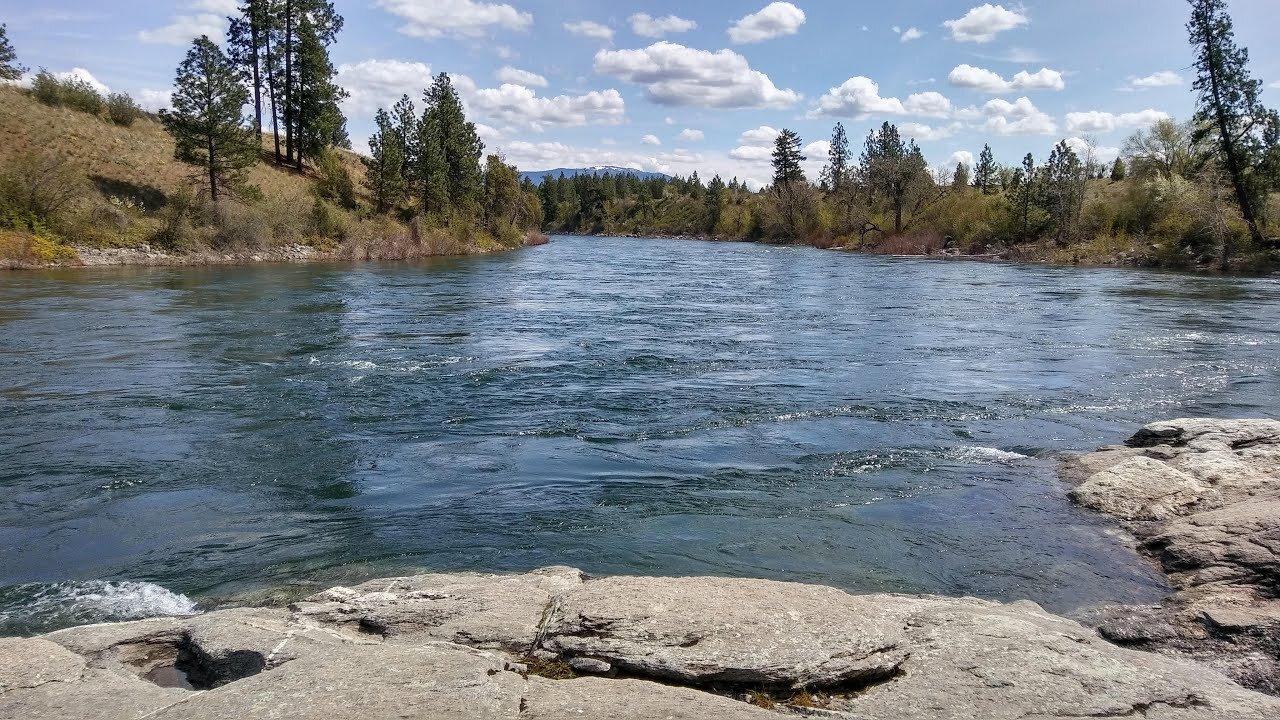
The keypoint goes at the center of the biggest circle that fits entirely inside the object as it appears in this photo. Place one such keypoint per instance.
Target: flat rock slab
(710, 631)
(500, 612)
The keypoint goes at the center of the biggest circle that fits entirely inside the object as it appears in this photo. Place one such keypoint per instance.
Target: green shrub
(177, 233)
(122, 110)
(334, 182)
(325, 221)
(70, 92)
(240, 227)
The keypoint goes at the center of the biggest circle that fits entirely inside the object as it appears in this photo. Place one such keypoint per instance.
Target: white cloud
(929, 103)
(587, 28)
(910, 34)
(519, 105)
(691, 135)
(1102, 122)
(84, 76)
(928, 133)
(751, 153)
(1164, 78)
(774, 20)
(676, 75)
(968, 76)
(432, 19)
(818, 149)
(763, 136)
(154, 100)
(1086, 150)
(961, 156)
(982, 23)
(1020, 117)
(374, 84)
(183, 28)
(650, 140)
(646, 25)
(1275, 85)
(222, 7)
(857, 97)
(508, 74)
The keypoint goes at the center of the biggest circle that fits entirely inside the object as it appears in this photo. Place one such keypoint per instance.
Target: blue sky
(678, 86)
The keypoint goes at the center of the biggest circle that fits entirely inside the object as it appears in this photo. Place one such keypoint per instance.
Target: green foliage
(1118, 170)
(9, 67)
(38, 191)
(448, 152)
(986, 173)
(961, 177)
(122, 110)
(385, 166)
(837, 176)
(206, 121)
(70, 92)
(333, 182)
(787, 159)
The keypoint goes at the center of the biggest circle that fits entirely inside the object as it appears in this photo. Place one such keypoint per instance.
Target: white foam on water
(77, 603)
(977, 454)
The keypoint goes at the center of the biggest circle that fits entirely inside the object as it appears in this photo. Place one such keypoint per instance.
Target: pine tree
(895, 170)
(207, 121)
(1064, 183)
(986, 171)
(787, 158)
(714, 200)
(960, 179)
(1228, 107)
(320, 124)
(835, 176)
(1026, 194)
(9, 67)
(383, 168)
(246, 45)
(450, 150)
(404, 122)
(1118, 170)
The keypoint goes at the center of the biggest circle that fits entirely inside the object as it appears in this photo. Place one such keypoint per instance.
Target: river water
(176, 437)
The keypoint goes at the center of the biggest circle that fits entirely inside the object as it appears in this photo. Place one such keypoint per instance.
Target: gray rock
(590, 666)
(601, 699)
(724, 631)
(486, 611)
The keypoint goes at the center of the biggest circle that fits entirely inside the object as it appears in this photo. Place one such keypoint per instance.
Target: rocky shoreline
(1202, 499)
(1200, 496)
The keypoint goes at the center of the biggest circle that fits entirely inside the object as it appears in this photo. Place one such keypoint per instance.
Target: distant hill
(537, 176)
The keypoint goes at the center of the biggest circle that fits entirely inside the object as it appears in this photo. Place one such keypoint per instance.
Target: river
(180, 436)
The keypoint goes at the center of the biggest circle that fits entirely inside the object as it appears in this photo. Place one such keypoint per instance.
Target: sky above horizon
(676, 87)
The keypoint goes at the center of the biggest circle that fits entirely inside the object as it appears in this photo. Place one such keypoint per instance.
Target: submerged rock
(513, 646)
(1202, 497)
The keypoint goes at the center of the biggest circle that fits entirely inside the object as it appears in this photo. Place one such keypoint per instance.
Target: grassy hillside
(119, 187)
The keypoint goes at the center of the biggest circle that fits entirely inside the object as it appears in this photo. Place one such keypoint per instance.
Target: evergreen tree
(450, 151)
(960, 179)
(1064, 184)
(1228, 107)
(1026, 194)
(320, 124)
(986, 171)
(714, 200)
(384, 168)
(787, 158)
(404, 122)
(835, 176)
(207, 121)
(897, 171)
(504, 206)
(246, 46)
(9, 67)
(1118, 170)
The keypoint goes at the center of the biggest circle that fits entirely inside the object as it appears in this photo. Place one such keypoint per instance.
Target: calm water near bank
(180, 435)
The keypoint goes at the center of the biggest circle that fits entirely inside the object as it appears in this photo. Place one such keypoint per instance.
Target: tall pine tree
(384, 168)
(986, 173)
(320, 124)
(835, 176)
(787, 158)
(449, 151)
(1228, 108)
(207, 120)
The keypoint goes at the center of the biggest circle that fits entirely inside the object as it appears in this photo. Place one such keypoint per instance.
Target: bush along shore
(1201, 495)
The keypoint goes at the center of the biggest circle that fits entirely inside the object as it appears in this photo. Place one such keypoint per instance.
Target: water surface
(624, 406)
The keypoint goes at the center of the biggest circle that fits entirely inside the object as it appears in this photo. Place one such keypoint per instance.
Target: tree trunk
(257, 76)
(1232, 160)
(302, 84)
(271, 91)
(288, 80)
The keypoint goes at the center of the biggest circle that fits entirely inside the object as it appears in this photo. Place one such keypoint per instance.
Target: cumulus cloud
(154, 100)
(910, 34)
(374, 84)
(84, 76)
(646, 25)
(756, 145)
(968, 76)
(1098, 121)
(929, 133)
(183, 28)
(1164, 78)
(650, 140)
(677, 75)
(691, 135)
(508, 74)
(1020, 117)
(860, 97)
(519, 105)
(1087, 150)
(587, 28)
(774, 20)
(961, 156)
(982, 23)
(432, 19)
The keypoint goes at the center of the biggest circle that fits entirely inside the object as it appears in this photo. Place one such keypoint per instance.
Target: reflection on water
(619, 405)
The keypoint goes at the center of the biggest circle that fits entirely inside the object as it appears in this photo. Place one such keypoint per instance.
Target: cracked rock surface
(1202, 497)
(504, 646)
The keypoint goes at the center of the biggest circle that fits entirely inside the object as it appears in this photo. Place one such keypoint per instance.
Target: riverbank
(555, 643)
(1202, 499)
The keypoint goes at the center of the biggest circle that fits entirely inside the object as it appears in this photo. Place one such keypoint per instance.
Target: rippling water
(625, 406)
